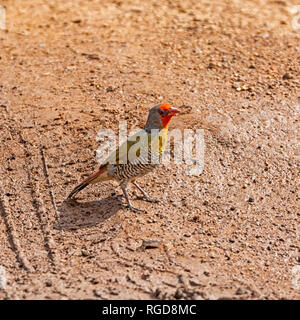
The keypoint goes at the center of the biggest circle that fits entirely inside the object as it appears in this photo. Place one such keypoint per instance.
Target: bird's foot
(134, 209)
(153, 200)
(119, 198)
(148, 199)
(71, 200)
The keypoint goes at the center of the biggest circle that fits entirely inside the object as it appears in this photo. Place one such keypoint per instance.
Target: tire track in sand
(12, 236)
(24, 213)
(37, 200)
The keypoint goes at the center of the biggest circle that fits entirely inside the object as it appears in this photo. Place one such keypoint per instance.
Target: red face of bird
(166, 113)
(160, 116)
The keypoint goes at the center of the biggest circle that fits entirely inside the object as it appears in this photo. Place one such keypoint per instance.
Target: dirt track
(70, 68)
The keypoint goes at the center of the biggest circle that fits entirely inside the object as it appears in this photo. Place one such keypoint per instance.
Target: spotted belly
(144, 162)
(130, 171)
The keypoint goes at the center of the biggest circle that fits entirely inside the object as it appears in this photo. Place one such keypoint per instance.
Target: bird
(138, 155)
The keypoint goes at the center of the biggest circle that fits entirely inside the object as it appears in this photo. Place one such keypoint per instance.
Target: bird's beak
(173, 111)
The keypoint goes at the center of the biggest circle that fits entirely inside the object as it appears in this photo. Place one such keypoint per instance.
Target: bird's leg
(123, 186)
(149, 199)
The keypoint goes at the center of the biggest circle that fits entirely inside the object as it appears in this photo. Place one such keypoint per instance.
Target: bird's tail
(93, 178)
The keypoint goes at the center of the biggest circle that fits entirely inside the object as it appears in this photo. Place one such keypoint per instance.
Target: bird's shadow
(75, 215)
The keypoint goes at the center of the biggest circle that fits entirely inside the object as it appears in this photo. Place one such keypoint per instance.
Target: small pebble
(48, 283)
(150, 243)
(287, 76)
(241, 291)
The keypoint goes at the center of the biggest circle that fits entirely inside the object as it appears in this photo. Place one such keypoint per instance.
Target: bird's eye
(161, 112)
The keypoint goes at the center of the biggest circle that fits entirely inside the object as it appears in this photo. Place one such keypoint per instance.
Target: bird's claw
(119, 198)
(154, 200)
(134, 209)
(148, 199)
(71, 200)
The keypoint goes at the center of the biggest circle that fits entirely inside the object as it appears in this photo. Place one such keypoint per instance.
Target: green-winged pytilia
(137, 156)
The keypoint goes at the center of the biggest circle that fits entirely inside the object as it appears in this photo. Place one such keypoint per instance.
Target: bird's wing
(125, 151)
(141, 141)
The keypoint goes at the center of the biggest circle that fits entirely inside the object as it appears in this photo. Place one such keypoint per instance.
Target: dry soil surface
(71, 68)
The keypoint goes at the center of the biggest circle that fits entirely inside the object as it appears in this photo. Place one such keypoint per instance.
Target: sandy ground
(71, 68)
